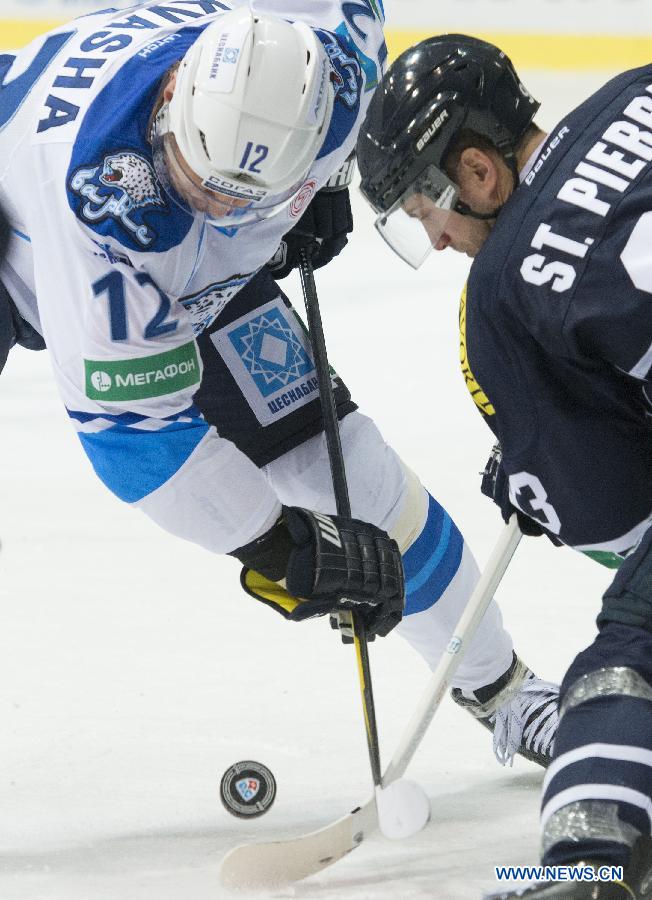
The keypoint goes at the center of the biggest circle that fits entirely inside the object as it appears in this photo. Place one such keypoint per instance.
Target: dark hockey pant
(598, 790)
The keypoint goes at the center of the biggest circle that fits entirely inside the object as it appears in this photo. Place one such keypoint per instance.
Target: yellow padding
(414, 512)
(570, 52)
(15, 33)
(269, 591)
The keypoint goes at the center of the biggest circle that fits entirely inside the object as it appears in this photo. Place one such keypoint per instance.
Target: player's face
(189, 186)
(187, 183)
(483, 186)
(446, 228)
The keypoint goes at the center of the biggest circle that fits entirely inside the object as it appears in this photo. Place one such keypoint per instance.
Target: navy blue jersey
(556, 325)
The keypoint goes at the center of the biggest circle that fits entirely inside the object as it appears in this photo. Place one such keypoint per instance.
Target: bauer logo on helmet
(428, 135)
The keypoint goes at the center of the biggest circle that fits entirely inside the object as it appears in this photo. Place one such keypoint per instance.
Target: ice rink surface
(134, 671)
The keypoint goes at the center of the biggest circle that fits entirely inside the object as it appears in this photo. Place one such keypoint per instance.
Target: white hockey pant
(440, 569)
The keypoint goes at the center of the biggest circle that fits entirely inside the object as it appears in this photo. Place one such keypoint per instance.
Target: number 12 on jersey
(113, 285)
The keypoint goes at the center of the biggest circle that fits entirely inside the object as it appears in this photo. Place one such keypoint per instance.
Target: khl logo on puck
(248, 789)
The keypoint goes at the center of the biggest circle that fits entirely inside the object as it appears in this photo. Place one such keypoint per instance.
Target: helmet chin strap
(465, 210)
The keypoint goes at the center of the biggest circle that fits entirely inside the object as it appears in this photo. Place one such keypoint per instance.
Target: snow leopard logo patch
(119, 188)
(346, 74)
(135, 176)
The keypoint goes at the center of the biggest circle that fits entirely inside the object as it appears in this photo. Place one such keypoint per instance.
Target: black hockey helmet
(429, 94)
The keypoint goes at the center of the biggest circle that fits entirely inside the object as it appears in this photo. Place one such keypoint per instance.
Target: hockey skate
(521, 711)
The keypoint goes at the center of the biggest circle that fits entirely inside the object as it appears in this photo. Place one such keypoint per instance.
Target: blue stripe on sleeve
(128, 418)
(133, 463)
(123, 418)
(432, 560)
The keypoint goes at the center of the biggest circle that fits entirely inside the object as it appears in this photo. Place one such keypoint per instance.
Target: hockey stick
(341, 491)
(278, 863)
(403, 809)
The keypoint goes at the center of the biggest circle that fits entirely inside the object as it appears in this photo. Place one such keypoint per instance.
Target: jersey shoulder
(559, 233)
(357, 52)
(111, 184)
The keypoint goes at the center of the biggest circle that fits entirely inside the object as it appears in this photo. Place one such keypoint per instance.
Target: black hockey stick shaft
(342, 502)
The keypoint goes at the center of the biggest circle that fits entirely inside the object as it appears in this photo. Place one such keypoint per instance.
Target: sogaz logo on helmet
(229, 188)
(432, 130)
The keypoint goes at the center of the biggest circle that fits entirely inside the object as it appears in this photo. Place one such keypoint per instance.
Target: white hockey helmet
(251, 107)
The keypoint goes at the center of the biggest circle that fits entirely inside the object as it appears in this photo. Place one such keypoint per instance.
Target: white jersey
(117, 279)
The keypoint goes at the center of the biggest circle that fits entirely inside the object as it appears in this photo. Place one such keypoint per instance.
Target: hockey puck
(248, 789)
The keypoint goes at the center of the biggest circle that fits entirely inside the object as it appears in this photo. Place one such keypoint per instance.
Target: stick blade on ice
(403, 809)
(278, 863)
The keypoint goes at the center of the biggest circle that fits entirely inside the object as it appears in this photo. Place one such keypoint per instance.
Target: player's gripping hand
(309, 564)
(495, 485)
(345, 564)
(322, 230)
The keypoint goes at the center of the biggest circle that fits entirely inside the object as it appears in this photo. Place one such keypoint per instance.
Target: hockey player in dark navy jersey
(556, 337)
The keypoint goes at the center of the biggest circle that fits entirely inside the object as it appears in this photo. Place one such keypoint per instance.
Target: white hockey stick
(275, 864)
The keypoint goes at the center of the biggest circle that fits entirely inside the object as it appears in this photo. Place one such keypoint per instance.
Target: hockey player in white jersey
(153, 161)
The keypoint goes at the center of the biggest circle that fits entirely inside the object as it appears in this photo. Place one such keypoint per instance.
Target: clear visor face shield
(224, 203)
(418, 219)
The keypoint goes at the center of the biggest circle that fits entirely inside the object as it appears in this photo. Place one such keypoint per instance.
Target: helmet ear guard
(251, 108)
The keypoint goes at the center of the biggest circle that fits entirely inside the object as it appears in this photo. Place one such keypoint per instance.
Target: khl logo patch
(118, 189)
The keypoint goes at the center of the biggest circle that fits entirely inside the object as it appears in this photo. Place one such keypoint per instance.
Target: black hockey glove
(330, 564)
(322, 230)
(495, 485)
(323, 227)
(14, 329)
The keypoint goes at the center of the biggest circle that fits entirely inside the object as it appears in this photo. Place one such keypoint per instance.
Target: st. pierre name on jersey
(601, 177)
(80, 70)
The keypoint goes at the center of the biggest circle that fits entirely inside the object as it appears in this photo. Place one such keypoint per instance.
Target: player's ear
(168, 90)
(478, 174)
